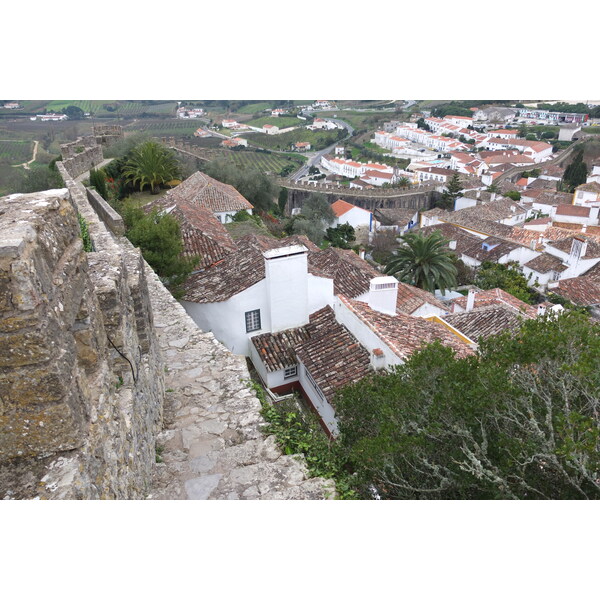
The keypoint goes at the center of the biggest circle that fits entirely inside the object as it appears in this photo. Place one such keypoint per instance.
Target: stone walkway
(212, 446)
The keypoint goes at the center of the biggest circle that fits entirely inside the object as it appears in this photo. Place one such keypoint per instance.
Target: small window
(290, 372)
(252, 320)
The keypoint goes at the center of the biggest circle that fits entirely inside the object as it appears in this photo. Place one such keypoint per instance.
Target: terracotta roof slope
(411, 298)
(497, 296)
(237, 271)
(583, 291)
(351, 274)
(404, 334)
(484, 322)
(332, 355)
(278, 350)
(203, 235)
(208, 192)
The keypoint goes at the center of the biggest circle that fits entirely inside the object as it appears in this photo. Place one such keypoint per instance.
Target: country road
(25, 165)
(317, 157)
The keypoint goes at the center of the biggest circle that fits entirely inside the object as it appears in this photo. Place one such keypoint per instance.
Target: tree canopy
(518, 420)
(424, 261)
(576, 172)
(159, 238)
(452, 191)
(150, 164)
(506, 277)
(255, 186)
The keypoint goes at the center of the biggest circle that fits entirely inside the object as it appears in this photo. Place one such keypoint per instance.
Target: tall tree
(424, 261)
(150, 164)
(576, 172)
(452, 191)
(517, 421)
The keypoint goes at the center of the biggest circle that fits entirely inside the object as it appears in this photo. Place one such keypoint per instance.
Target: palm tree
(424, 261)
(150, 164)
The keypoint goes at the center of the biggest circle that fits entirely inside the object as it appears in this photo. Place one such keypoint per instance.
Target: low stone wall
(109, 216)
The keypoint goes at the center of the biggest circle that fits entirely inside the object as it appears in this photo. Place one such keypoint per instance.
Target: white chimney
(383, 294)
(470, 300)
(541, 310)
(452, 245)
(377, 359)
(286, 276)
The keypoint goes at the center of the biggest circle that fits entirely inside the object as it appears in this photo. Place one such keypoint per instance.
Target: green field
(266, 163)
(360, 119)
(250, 109)
(15, 152)
(280, 122)
(98, 108)
(284, 141)
(165, 127)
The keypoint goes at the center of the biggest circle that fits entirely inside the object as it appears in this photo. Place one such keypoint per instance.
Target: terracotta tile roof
(341, 207)
(496, 297)
(238, 270)
(278, 350)
(331, 354)
(487, 321)
(593, 273)
(592, 186)
(203, 235)
(494, 249)
(206, 191)
(549, 197)
(583, 291)
(495, 210)
(516, 159)
(351, 274)
(592, 251)
(437, 170)
(411, 298)
(572, 210)
(546, 262)
(544, 184)
(404, 334)
(380, 174)
(570, 226)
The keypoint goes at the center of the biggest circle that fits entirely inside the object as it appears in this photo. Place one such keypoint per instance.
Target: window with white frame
(290, 372)
(252, 320)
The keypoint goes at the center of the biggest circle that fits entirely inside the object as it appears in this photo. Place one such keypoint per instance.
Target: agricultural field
(15, 152)
(265, 163)
(98, 108)
(361, 119)
(164, 127)
(284, 141)
(250, 109)
(280, 122)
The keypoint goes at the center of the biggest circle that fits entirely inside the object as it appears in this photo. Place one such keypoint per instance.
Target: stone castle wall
(81, 155)
(84, 412)
(107, 135)
(81, 374)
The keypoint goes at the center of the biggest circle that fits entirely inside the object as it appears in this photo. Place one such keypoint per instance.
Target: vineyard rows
(15, 152)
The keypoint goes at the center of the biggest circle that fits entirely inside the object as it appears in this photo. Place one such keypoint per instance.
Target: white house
(270, 129)
(222, 199)
(189, 113)
(52, 117)
(563, 259)
(346, 213)
(587, 194)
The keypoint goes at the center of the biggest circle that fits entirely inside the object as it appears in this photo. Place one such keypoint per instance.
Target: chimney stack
(470, 300)
(286, 275)
(383, 294)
